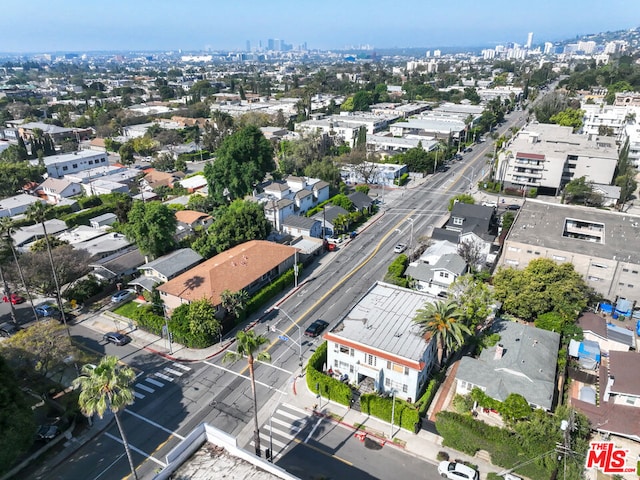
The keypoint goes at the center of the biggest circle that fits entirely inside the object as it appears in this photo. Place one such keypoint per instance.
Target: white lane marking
(289, 415)
(274, 441)
(173, 372)
(295, 409)
(136, 449)
(138, 395)
(109, 466)
(183, 367)
(151, 422)
(163, 376)
(313, 430)
(273, 365)
(154, 382)
(244, 376)
(144, 387)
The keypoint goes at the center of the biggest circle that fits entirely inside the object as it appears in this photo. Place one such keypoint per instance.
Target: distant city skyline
(198, 25)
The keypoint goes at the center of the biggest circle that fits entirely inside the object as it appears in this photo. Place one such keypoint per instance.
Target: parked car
(316, 328)
(490, 204)
(8, 329)
(399, 248)
(47, 432)
(468, 149)
(47, 311)
(121, 295)
(116, 338)
(13, 298)
(457, 471)
(513, 207)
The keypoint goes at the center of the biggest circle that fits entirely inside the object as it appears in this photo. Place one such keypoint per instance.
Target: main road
(171, 398)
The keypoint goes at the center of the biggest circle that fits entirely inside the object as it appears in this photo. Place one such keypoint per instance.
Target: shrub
(427, 397)
(88, 202)
(404, 178)
(442, 456)
(404, 414)
(267, 293)
(83, 289)
(83, 217)
(395, 272)
(323, 384)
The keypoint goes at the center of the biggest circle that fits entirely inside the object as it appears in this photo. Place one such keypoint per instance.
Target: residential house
(69, 163)
(23, 237)
(328, 218)
(303, 200)
(612, 405)
(248, 267)
(436, 250)
(194, 183)
(277, 210)
(189, 220)
(55, 189)
(299, 226)
(361, 202)
(610, 194)
(523, 361)
(104, 245)
(114, 268)
(320, 190)
(165, 268)
(103, 221)
(378, 347)
(610, 337)
(154, 178)
(601, 245)
(436, 279)
(17, 205)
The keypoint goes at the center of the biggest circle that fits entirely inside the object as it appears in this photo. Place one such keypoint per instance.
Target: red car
(14, 298)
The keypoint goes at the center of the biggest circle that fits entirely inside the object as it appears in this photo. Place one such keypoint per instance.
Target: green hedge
(328, 387)
(395, 272)
(147, 320)
(406, 415)
(267, 293)
(89, 202)
(194, 157)
(464, 433)
(427, 397)
(404, 178)
(83, 217)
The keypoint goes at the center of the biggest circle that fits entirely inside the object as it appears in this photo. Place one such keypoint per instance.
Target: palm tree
(7, 230)
(107, 386)
(37, 212)
(442, 321)
(249, 344)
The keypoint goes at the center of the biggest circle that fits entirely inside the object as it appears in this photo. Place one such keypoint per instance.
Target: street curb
(189, 360)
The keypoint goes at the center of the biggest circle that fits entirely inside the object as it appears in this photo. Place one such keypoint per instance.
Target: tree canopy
(569, 117)
(543, 286)
(151, 226)
(243, 160)
(237, 223)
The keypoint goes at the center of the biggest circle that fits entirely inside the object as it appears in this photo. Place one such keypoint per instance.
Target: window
(371, 360)
(344, 349)
(406, 370)
(559, 258)
(387, 382)
(634, 271)
(103, 160)
(405, 388)
(444, 274)
(529, 251)
(591, 278)
(514, 249)
(512, 262)
(457, 221)
(625, 269)
(352, 352)
(536, 253)
(629, 285)
(75, 165)
(598, 265)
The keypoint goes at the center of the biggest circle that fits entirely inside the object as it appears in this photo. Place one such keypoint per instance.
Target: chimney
(499, 352)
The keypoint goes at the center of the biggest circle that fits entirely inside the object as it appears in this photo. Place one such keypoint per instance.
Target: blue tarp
(589, 354)
(605, 307)
(623, 307)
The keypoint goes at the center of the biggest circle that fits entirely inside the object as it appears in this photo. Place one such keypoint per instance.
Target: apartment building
(547, 157)
(602, 245)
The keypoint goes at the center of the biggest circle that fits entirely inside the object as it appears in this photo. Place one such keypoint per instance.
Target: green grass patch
(128, 309)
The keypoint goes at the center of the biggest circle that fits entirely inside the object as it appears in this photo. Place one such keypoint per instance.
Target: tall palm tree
(38, 212)
(7, 290)
(249, 344)
(442, 321)
(7, 230)
(107, 386)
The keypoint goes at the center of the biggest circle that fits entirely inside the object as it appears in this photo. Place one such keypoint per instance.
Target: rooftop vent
(499, 352)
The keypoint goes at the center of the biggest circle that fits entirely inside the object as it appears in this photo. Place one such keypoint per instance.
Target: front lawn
(128, 309)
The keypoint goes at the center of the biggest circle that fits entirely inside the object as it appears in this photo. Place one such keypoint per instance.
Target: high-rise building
(529, 40)
(248, 46)
(270, 44)
(548, 48)
(437, 53)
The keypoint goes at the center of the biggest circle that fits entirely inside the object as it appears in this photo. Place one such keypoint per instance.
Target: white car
(490, 204)
(457, 471)
(121, 295)
(399, 248)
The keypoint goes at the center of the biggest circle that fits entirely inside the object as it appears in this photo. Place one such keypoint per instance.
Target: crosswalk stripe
(145, 388)
(183, 367)
(154, 382)
(289, 415)
(295, 428)
(173, 372)
(163, 376)
(275, 441)
(296, 409)
(138, 395)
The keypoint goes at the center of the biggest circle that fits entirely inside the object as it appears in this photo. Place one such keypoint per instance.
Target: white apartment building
(608, 119)
(547, 157)
(378, 346)
(64, 164)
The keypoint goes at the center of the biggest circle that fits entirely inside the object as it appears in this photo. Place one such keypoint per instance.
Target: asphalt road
(172, 399)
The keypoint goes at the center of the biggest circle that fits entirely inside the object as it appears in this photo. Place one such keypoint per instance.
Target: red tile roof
(232, 270)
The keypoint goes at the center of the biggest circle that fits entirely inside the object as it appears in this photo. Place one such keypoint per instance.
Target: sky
(40, 26)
